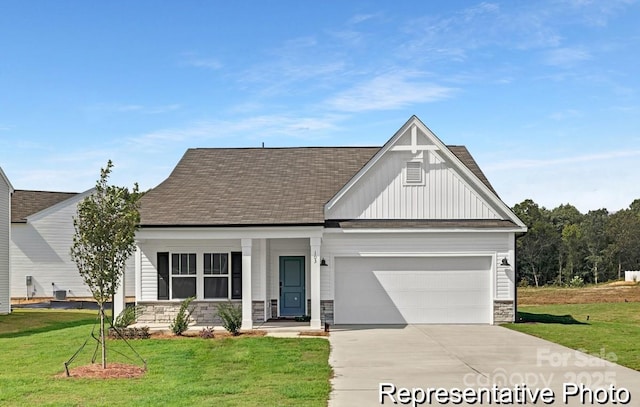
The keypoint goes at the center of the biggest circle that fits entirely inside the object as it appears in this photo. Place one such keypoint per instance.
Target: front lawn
(247, 371)
(609, 330)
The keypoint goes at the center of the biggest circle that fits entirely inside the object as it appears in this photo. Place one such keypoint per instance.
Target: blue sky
(545, 94)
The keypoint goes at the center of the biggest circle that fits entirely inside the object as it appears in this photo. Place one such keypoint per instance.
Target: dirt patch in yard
(612, 292)
(113, 371)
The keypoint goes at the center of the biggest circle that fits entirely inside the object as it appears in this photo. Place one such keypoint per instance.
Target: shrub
(127, 317)
(576, 281)
(181, 322)
(130, 333)
(231, 316)
(206, 333)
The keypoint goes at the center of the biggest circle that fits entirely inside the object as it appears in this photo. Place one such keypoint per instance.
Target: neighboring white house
(633, 275)
(5, 236)
(41, 238)
(410, 232)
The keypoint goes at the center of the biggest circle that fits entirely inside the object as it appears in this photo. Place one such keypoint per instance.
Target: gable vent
(414, 172)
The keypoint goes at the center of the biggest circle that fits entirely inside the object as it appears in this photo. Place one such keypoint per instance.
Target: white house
(5, 236)
(41, 238)
(410, 232)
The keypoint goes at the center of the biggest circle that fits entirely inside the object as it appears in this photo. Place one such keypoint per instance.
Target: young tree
(105, 228)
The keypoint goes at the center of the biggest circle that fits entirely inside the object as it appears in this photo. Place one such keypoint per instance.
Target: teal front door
(292, 298)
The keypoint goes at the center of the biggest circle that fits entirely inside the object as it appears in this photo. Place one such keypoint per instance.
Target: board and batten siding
(450, 243)
(5, 233)
(41, 248)
(382, 193)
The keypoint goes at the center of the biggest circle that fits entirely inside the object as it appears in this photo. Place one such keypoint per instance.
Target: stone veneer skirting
(205, 313)
(503, 311)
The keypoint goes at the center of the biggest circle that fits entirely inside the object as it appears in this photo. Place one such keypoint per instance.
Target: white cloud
(241, 131)
(565, 57)
(590, 181)
(565, 114)
(197, 61)
(133, 108)
(393, 90)
(359, 18)
(524, 163)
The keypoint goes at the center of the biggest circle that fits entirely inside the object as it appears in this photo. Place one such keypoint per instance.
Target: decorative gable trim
(437, 147)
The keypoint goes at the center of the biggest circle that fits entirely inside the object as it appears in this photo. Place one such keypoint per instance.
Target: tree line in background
(565, 247)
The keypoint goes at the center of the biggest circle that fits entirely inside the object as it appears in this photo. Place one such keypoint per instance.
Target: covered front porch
(272, 273)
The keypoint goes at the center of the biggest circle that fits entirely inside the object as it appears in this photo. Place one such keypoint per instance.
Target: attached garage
(415, 290)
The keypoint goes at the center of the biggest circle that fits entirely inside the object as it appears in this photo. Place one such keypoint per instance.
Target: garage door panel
(412, 290)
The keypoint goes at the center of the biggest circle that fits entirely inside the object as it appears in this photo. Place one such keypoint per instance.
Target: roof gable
(453, 186)
(25, 204)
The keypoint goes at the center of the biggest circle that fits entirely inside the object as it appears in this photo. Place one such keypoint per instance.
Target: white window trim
(227, 276)
(200, 251)
(172, 276)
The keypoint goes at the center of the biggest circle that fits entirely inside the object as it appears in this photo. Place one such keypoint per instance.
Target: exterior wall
(496, 244)
(358, 244)
(41, 249)
(632, 276)
(503, 311)
(5, 233)
(149, 253)
(381, 193)
(205, 313)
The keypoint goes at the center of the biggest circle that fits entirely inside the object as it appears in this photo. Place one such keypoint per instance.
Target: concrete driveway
(422, 357)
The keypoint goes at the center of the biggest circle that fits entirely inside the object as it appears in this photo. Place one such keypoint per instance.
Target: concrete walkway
(466, 356)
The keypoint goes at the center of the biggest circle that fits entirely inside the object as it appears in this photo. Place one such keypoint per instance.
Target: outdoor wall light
(505, 262)
(323, 262)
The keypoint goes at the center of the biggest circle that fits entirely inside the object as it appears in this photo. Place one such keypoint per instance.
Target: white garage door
(420, 290)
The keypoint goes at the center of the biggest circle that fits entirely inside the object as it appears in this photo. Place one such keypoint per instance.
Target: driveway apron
(468, 356)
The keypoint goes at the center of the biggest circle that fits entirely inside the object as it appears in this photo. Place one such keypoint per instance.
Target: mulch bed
(113, 371)
(216, 335)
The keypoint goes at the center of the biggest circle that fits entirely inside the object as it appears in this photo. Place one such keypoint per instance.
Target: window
(183, 275)
(413, 173)
(216, 275)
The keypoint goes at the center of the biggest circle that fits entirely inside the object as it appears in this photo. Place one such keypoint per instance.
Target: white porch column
(138, 273)
(263, 276)
(247, 309)
(119, 301)
(315, 243)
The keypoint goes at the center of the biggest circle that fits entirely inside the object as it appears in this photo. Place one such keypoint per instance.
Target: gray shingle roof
(26, 203)
(258, 186)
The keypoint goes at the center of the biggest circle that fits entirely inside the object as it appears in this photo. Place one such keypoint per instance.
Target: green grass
(23, 322)
(247, 371)
(612, 329)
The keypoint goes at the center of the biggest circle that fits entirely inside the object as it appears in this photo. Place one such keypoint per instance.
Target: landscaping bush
(127, 317)
(130, 333)
(206, 333)
(181, 322)
(231, 316)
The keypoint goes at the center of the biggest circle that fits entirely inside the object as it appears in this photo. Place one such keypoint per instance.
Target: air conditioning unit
(60, 295)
